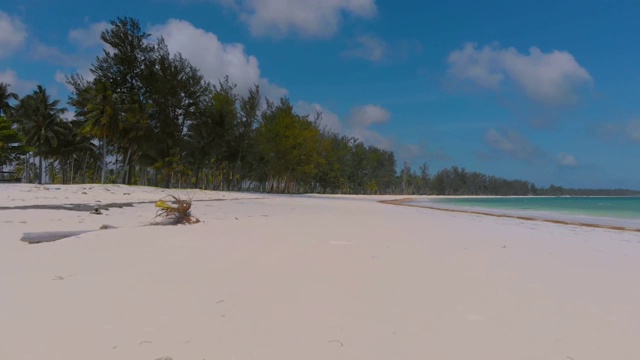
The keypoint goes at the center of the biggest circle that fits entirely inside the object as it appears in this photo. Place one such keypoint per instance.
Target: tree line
(148, 117)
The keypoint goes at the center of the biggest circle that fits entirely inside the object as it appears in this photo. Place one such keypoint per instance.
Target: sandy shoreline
(309, 277)
(593, 223)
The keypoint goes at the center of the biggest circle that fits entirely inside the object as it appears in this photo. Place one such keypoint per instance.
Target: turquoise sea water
(623, 211)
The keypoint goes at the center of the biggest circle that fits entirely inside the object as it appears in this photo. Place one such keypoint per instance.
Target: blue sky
(545, 91)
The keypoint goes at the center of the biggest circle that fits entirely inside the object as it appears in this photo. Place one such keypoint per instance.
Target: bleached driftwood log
(48, 236)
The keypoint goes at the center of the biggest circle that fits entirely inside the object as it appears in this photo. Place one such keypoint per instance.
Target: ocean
(610, 211)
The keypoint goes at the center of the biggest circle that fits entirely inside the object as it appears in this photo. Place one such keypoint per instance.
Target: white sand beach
(307, 277)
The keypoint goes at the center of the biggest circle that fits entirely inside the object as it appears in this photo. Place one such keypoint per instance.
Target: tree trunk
(104, 159)
(73, 160)
(125, 167)
(26, 168)
(84, 168)
(41, 177)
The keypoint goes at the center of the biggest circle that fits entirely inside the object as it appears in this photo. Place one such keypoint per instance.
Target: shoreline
(405, 202)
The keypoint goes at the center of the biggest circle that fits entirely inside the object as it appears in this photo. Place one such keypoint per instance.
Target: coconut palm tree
(102, 117)
(39, 119)
(5, 97)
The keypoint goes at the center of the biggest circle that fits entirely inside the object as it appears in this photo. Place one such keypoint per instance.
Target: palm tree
(11, 143)
(40, 121)
(5, 97)
(102, 117)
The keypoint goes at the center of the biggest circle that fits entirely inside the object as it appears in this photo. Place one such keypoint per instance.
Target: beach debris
(174, 213)
(172, 210)
(337, 341)
(58, 277)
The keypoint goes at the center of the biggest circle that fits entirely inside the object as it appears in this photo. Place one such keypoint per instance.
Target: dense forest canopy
(149, 117)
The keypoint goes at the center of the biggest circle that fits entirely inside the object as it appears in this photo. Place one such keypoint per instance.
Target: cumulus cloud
(566, 160)
(88, 36)
(61, 78)
(369, 48)
(633, 130)
(53, 55)
(512, 144)
(214, 58)
(329, 119)
(68, 115)
(306, 18)
(619, 130)
(553, 78)
(18, 86)
(13, 34)
(357, 124)
(367, 115)
(360, 120)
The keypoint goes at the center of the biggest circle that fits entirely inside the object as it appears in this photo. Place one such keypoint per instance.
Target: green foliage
(5, 97)
(11, 143)
(288, 146)
(458, 181)
(39, 119)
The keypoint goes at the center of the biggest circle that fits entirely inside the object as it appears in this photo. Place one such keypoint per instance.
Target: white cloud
(270, 90)
(514, 145)
(68, 115)
(633, 130)
(369, 48)
(13, 33)
(329, 119)
(89, 36)
(551, 78)
(214, 58)
(566, 160)
(620, 130)
(360, 120)
(53, 55)
(364, 116)
(61, 78)
(18, 86)
(305, 18)
(479, 66)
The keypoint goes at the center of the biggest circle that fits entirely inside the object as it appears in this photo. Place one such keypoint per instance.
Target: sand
(308, 277)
